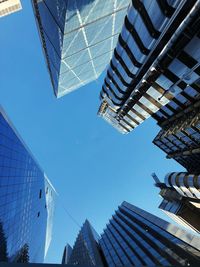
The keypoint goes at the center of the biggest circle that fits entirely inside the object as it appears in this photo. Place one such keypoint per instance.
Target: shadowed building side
(135, 237)
(86, 250)
(181, 199)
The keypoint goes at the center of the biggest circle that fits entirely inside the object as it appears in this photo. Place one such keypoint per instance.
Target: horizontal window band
(162, 91)
(166, 9)
(145, 108)
(119, 58)
(186, 59)
(112, 91)
(156, 117)
(189, 61)
(115, 103)
(152, 100)
(128, 123)
(131, 118)
(119, 74)
(138, 114)
(139, 6)
(131, 29)
(115, 83)
(124, 127)
(129, 53)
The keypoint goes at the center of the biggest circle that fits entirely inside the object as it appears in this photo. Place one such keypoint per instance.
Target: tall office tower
(66, 254)
(9, 6)
(86, 250)
(78, 38)
(181, 198)
(26, 200)
(155, 60)
(135, 237)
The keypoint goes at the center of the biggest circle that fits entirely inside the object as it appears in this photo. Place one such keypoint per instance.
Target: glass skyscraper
(181, 198)
(78, 38)
(134, 237)
(155, 61)
(26, 200)
(86, 250)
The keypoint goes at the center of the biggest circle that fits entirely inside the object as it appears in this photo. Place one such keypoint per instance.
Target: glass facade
(78, 38)
(26, 200)
(66, 254)
(135, 237)
(153, 63)
(86, 249)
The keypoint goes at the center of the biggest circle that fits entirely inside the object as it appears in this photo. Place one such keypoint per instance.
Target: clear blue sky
(91, 165)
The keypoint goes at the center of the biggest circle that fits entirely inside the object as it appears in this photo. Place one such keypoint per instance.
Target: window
(40, 194)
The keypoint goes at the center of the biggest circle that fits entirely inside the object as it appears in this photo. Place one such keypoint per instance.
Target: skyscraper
(66, 254)
(86, 249)
(26, 200)
(78, 38)
(9, 6)
(135, 237)
(155, 60)
(181, 198)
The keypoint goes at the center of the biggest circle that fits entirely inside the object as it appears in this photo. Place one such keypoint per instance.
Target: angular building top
(86, 248)
(135, 237)
(27, 200)
(9, 6)
(78, 38)
(66, 254)
(156, 58)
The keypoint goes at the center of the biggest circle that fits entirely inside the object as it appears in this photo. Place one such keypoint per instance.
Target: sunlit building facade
(26, 200)
(8, 7)
(78, 38)
(181, 198)
(155, 60)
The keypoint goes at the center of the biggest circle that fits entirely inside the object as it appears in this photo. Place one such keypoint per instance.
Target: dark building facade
(181, 198)
(66, 254)
(86, 250)
(78, 38)
(134, 237)
(180, 136)
(155, 65)
(26, 200)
